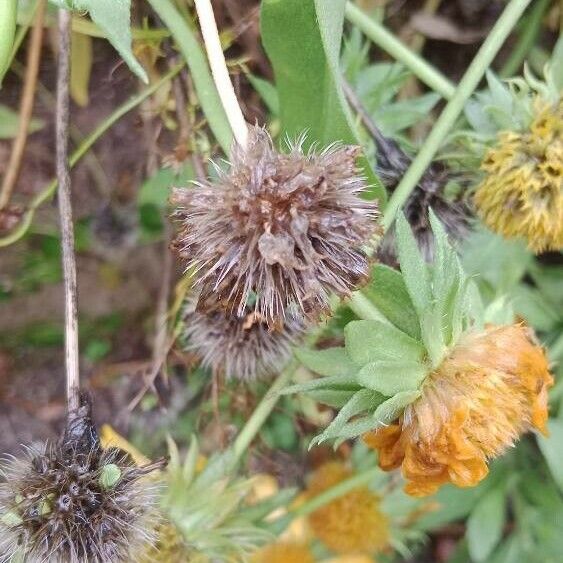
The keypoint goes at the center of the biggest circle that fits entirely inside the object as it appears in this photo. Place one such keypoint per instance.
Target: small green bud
(109, 476)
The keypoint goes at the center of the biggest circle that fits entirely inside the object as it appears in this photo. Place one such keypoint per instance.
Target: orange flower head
(352, 523)
(490, 390)
(284, 552)
(522, 193)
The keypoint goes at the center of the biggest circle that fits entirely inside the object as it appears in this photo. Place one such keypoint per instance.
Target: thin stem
(455, 106)
(398, 50)
(65, 213)
(26, 107)
(220, 72)
(47, 192)
(526, 40)
(263, 410)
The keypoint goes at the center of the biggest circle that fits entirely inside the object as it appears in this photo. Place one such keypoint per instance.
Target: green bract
(208, 507)
(384, 363)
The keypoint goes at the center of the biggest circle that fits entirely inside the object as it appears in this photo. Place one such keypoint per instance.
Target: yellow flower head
(284, 552)
(169, 547)
(491, 389)
(352, 523)
(522, 193)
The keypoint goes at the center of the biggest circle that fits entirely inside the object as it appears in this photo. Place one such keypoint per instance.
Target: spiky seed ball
(75, 502)
(522, 193)
(284, 552)
(352, 523)
(453, 211)
(280, 229)
(244, 347)
(489, 391)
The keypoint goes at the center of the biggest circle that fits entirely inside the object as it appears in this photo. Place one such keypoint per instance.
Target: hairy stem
(398, 50)
(26, 106)
(220, 72)
(454, 107)
(47, 192)
(65, 213)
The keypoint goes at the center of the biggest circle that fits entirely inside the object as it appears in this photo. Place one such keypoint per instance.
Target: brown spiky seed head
(75, 502)
(280, 229)
(244, 348)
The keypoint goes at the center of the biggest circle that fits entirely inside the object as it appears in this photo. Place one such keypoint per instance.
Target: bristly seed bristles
(284, 230)
(244, 348)
(75, 501)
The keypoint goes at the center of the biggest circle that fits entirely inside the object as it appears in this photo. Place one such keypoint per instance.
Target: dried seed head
(453, 212)
(285, 229)
(244, 347)
(522, 193)
(75, 502)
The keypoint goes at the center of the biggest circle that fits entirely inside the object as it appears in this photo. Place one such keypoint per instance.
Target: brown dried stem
(26, 106)
(65, 213)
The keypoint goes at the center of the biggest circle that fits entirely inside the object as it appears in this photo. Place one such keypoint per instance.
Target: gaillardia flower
(75, 502)
(491, 389)
(353, 522)
(522, 193)
(283, 552)
(244, 347)
(280, 230)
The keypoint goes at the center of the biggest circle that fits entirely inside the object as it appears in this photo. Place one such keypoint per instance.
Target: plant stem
(26, 107)
(65, 213)
(526, 40)
(455, 106)
(263, 410)
(398, 50)
(8, 16)
(336, 491)
(47, 192)
(193, 55)
(220, 72)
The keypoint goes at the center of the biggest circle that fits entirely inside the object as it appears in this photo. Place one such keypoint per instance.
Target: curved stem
(62, 113)
(263, 410)
(26, 107)
(398, 50)
(220, 72)
(453, 109)
(48, 191)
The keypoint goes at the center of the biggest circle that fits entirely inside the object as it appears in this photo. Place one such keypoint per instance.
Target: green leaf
(340, 382)
(8, 16)
(114, 18)
(267, 92)
(332, 361)
(302, 39)
(392, 408)
(199, 70)
(156, 189)
(336, 398)
(369, 341)
(9, 121)
(363, 400)
(392, 376)
(389, 294)
(485, 524)
(552, 449)
(413, 267)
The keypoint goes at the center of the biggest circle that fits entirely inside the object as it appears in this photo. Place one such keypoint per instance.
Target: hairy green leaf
(392, 408)
(390, 377)
(332, 361)
(302, 39)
